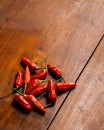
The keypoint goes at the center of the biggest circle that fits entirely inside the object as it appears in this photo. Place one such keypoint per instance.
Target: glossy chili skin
(64, 86)
(26, 75)
(54, 71)
(32, 85)
(39, 90)
(18, 98)
(32, 66)
(51, 92)
(42, 74)
(35, 103)
(18, 80)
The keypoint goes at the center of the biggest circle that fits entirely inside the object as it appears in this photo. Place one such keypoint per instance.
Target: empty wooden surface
(66, 33)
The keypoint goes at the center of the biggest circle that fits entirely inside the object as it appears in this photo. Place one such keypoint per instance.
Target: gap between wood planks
(77, 78)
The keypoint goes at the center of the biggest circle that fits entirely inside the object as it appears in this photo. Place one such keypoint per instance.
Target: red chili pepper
(32, 85)
(26, 76)
(54, 71)
(42, 74)
(32, 66)
(22, 102)
(35, 103)
(18, 80)
(64, 86)
(51, 92)
(39, 90)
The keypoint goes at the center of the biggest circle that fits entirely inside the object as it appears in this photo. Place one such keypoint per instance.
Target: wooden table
(69, 34)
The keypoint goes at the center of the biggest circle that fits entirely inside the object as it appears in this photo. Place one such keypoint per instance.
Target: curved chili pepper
(32, 85)
(35, 103)
(51, 92)
(42, 74)
(32, 66)
(39, 90)
(64, 86)
(18, 80)
(22, 102)
(54, 71)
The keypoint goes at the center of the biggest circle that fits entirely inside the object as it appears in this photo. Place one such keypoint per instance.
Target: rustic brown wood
(84, 107)
(65, 32)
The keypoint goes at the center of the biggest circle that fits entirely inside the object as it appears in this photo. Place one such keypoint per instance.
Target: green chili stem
(41, 95)
(24, 87)
(20, 92)
(57, 80)
(42, 81)
(17, 91)
(63, 78)
(48, 105)
(38, 68)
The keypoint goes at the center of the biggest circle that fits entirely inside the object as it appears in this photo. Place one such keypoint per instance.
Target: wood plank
(84, 107)
(43, 28)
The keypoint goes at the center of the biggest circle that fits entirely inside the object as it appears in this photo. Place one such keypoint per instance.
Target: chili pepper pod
(54, 71)
(35, 103)
(39, 90)
(64, 86)
(51, 92)
(18, 80)
(32, 85)
(22, 102)
(42, 74)
(32, 66)
(26, 77)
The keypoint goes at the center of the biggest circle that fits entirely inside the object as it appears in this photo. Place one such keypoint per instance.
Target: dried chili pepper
(18, 98)
(51, 92)
(32, 85)
(64, 86)
(42, 74)
(18, 80)
(54, 71)
(39, 90)
(35, 103)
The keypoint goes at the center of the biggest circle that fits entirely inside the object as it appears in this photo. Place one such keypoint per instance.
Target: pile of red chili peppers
(33, 84)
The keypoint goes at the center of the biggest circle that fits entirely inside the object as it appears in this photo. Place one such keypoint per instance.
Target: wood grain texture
(84, 108)
(65, 32)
